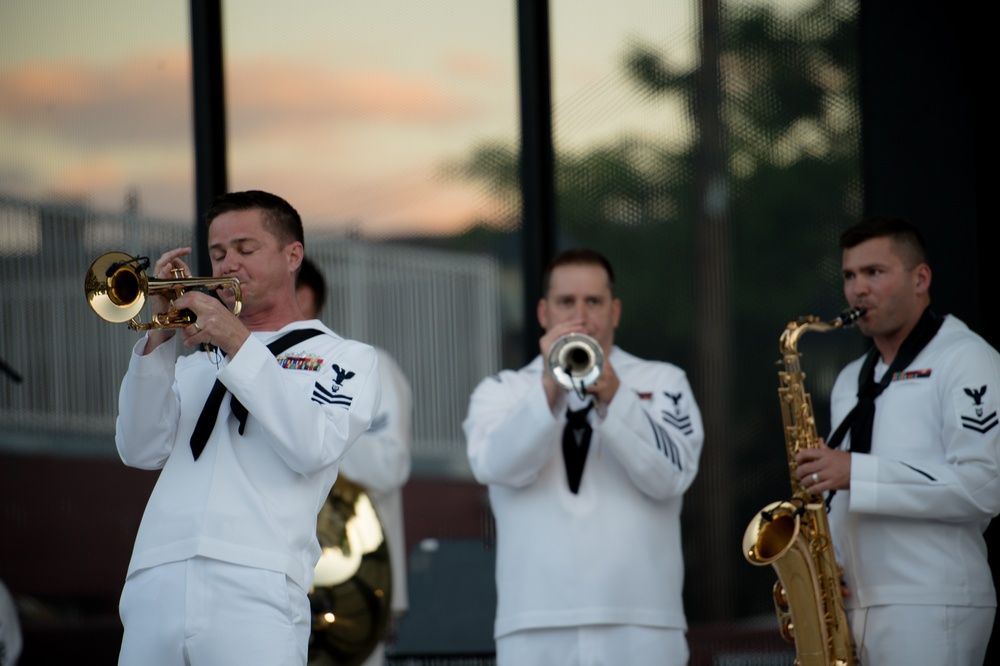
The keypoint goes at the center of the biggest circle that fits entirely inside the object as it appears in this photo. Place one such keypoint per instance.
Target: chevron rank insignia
(976, 407)
(675, 415)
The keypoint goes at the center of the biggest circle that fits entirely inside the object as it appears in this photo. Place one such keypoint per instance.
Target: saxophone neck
(789, 342)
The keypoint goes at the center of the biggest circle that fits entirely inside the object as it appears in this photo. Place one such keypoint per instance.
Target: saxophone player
(911, 469)
(586, 488)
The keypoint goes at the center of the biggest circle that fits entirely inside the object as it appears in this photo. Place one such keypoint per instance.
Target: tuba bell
(352, 589)
(117, 287)
(576, 361)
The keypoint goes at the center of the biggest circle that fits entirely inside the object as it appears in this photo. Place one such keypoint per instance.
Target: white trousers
(908, 635)
(203, 612)
(594, 645)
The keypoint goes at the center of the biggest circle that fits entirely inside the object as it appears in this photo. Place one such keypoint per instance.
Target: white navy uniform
(380, 462)
(249, 500)
(909, 532)
(611, 554)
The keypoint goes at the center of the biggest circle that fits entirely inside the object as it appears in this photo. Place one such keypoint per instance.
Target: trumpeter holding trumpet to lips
(587, 452)
(203, 318)
(118, 288)
(248, 443)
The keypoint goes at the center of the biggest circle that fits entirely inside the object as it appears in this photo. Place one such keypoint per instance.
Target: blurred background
(440, 152)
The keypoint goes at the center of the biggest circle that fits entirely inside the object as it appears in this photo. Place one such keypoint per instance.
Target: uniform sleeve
(962, 486)
(148, 407)
(510, 432)
(657, 438)
(11, 640)
(311, 426)
(380, 459)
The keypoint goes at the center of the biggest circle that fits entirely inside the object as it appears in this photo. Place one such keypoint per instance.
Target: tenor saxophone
(793, 535)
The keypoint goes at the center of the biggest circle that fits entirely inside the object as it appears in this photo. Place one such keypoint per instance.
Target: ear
(543, 314)
(294, 251)
(922, 279)
(616, 312)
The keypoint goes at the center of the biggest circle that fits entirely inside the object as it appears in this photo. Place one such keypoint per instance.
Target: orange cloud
(90, 175)
(411, 201)
(275, 92)
(144, 100)
(147, 98)
(475, 65)
(106, 129)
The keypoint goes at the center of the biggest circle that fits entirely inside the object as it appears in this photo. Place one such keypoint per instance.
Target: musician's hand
(606, 385)
(821, 469)
(163, 270)
(214, 323)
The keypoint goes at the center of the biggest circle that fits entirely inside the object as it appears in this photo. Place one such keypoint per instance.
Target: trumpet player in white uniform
(586, 486)
(247, 442)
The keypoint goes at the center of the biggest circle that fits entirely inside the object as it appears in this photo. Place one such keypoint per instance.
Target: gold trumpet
(117, 288)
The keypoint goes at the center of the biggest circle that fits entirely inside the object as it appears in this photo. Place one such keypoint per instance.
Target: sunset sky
(348, 109)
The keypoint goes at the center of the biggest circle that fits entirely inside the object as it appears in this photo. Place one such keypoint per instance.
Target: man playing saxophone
(911, 469)
(586, 487)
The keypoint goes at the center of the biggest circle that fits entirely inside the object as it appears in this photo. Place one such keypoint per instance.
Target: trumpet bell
(576, 361)
(115, 289)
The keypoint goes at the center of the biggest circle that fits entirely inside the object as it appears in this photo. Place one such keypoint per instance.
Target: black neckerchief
(210, 412)
(575, 444)
(861, 419)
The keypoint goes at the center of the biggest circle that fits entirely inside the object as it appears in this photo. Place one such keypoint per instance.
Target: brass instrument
(117, 288)
(793, 536)
(352, 589)
(576, 361)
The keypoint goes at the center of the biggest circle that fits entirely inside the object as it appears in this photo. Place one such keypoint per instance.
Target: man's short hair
(577, 257)
(310, 276)
(279, 217)
(909, 242)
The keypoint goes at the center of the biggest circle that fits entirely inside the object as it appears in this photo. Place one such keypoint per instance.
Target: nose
(228, 265)
(857, 287)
